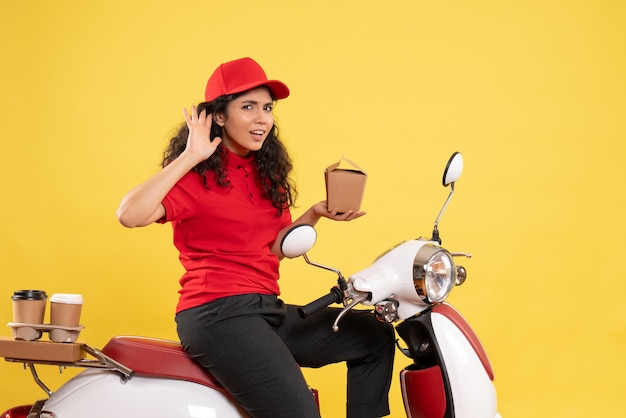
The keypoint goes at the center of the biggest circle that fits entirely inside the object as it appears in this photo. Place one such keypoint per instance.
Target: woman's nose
(263, 118)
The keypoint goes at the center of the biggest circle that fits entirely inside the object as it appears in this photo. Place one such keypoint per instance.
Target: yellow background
(532, 93)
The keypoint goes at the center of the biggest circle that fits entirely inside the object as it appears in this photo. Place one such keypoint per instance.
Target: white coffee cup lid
(70, 298)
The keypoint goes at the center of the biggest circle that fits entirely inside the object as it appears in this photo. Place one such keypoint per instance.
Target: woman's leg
(366, 345)
(235, 339)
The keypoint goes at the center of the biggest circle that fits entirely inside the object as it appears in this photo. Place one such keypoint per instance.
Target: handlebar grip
(334, 296)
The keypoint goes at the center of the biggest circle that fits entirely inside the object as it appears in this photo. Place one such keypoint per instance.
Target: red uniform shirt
(224, 234)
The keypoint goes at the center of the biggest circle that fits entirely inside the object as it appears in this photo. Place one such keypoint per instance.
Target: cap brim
(278, 88)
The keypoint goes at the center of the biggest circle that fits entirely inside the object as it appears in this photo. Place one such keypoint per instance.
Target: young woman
(225, 188)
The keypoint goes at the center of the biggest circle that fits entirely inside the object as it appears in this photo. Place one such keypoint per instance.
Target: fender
(453, 315)
(446, 356)
(21, 411)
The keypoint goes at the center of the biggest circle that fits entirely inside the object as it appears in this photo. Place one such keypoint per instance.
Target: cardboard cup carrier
(29, 307)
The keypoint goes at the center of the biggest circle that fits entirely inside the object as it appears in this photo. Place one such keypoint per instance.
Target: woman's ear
(219, 118)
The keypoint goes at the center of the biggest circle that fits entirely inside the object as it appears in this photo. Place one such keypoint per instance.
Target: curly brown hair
(272, 160)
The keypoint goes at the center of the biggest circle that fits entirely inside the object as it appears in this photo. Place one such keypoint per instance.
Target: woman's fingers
(193, 117)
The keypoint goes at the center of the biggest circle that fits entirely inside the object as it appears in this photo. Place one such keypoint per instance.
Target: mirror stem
(443, 209)
(341, 281)
(436, 236)
(313, 263)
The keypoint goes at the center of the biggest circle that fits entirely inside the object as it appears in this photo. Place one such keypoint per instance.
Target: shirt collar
(237, 161)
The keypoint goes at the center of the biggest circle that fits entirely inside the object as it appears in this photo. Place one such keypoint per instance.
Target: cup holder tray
(32, 332)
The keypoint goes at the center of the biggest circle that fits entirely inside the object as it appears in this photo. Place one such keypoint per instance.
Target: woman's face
(250, 120)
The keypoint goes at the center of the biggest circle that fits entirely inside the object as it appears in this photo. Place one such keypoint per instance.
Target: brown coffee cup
(29, 306)
(65, 309)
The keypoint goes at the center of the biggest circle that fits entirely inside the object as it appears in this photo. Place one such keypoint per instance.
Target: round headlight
(434, 274)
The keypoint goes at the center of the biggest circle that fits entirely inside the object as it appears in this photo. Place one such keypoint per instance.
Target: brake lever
(346, 309)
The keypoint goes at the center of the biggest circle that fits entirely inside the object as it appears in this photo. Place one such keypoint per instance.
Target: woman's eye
(247, 107)
(268, 108)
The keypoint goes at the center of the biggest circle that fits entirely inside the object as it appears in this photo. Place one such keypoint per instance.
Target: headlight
(434, 273)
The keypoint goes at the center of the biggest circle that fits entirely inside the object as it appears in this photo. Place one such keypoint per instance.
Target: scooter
(450, 375)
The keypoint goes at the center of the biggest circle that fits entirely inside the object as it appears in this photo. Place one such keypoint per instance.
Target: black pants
(255, 345)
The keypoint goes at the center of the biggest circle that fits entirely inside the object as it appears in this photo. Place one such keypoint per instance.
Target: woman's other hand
(322, 209)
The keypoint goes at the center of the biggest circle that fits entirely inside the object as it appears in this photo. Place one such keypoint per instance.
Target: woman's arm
(311, 217)
(142, 205)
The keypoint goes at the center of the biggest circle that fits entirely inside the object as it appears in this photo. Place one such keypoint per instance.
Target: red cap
(241, 75)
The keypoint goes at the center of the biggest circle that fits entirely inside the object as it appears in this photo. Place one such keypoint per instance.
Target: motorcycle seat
(160, 358)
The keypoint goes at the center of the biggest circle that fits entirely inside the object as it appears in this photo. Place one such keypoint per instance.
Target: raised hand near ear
(199, 141)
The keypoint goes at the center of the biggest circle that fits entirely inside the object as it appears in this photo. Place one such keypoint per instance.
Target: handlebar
(334, 296)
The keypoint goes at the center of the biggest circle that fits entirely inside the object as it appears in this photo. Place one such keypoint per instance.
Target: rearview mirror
(298, 240)
(453, 170)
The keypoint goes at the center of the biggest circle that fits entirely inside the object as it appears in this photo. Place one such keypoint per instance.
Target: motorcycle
(450, 374)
